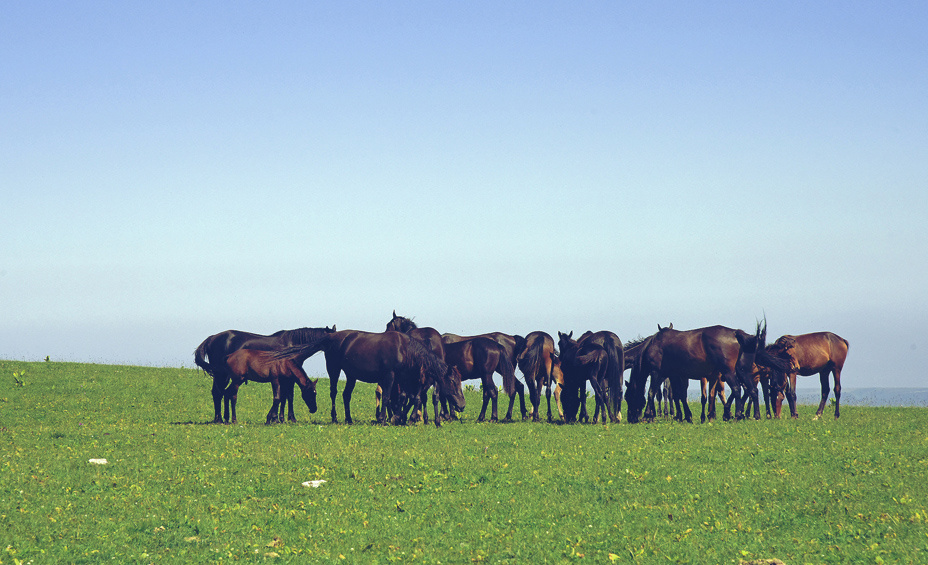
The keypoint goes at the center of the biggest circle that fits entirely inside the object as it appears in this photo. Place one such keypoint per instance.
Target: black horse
(716, 353)
(212, 353)
(612, 366)
(385, 358)
(598, 358)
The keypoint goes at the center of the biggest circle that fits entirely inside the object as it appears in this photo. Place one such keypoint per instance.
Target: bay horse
(211, 355)
(273, 367)
(384, 359)
(511, 345)
(478, 358)
(536, 361)
(716, 353)
(821, 353)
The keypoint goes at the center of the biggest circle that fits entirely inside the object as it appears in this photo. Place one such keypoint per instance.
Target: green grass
(179, 491)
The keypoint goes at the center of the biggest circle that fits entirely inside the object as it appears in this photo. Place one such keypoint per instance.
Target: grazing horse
(715, 353)
(664, 387)
(808, 354)
(478, 358)
(583, 361)
(607, 372)
(536, 361)
(428, 336)
(273, 367)
(212, 353)
(384, 359)
(511, 345)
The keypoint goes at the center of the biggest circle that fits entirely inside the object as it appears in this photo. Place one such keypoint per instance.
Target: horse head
(309, 395)
(400, 324)
(451, 390)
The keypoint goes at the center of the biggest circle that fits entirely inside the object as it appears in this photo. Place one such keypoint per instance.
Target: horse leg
(534, 394)
(286, 395)
(346, 400)
(231, 397)
(837, 374)
(272, 415)
(485, 387)
(680, 396)
(823, 377)
(435, 407)
(791, 396)
(494, 396)
(704, 398)
(220, 382)
(548, 396)
(602, 405)
(765, 387)
(649, 411)
(333, 393)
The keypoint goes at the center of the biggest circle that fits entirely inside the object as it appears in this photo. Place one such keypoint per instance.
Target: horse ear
(333, 328)
(670, 327)
(394, 312)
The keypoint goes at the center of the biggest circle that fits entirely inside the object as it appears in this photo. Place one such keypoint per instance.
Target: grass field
(175, 490)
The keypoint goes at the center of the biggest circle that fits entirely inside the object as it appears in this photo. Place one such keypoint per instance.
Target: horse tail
(519, 347)
(533, 357)
(201, 357)
(614, 369)
(505, 368)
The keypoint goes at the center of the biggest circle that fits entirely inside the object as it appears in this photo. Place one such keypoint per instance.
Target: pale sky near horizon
(170, 171)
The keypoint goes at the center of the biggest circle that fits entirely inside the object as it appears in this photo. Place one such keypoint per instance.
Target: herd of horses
(406, 362)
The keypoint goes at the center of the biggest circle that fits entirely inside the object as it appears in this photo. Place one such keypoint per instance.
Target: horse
(211, 355)
(716, 353)
(610, 379)
(428, 336)
(536, 361)
(588, 359)
(273, 367)
(385, 358)
(478, 358)
(511, 345)
(808, 354)
(664, 388)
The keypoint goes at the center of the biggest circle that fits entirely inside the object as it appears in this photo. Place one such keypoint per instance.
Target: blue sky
(171, 170)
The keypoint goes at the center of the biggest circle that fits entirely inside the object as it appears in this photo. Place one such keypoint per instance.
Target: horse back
(815, 352)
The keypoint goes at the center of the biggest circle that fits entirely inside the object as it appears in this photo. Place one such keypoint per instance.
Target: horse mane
(633, 349)
(405, 324)
(308, 336)
(417, 354)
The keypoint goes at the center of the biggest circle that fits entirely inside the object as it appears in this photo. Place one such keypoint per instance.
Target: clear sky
(170, 170)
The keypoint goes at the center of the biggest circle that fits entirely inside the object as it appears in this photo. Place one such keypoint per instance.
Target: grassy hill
(176, 490)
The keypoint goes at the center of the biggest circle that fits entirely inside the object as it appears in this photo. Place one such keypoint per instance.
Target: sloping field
(175, 490)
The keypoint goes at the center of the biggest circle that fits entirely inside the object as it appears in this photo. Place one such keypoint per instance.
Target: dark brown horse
(536, 361)
(273, 367)
(478, 358)
(821, 353)
(211, 355)
(511, 345)
(384, 359)
(430, 338)
(716, 353)
(575, 355)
